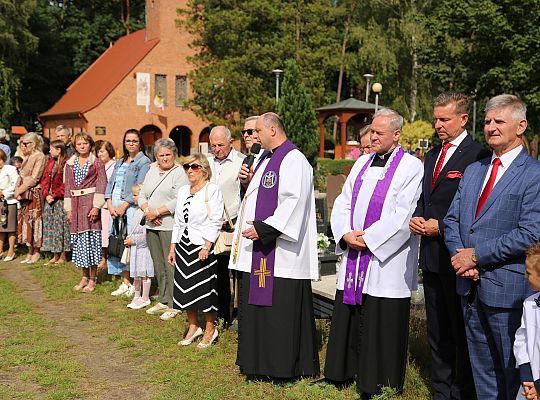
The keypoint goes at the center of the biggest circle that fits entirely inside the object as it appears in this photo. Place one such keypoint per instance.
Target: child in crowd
(141, 267)
(16, 161)
(56, 237)
(527, 342)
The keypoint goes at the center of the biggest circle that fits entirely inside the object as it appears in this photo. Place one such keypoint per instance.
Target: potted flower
(323, 242)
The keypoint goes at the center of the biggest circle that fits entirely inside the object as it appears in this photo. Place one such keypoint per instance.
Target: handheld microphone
(249, 160)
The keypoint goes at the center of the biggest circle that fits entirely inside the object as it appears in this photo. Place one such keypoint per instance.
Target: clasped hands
(529, 391)
(152, 216)
(464, 265)
(355, 240)
(420, 226)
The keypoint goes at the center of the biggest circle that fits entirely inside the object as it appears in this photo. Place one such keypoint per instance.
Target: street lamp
(377, 88)
(277, 72)
(474, 116)
(368, 80)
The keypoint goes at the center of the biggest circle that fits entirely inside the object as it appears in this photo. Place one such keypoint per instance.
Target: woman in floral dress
(85, 182)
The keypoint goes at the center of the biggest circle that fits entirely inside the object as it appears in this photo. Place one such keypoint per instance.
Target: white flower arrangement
(322, 242)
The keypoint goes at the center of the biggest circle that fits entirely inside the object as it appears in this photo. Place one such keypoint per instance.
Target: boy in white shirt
(527, 342)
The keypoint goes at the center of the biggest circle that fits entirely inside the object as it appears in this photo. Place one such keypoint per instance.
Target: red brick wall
(119, 112)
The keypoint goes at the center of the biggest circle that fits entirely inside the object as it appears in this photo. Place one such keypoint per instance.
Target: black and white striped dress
(195, 281)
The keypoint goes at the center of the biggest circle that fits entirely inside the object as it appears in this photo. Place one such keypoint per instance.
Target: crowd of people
(234, 237)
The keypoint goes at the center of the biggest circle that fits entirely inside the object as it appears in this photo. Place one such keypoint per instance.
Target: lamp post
(277, 72)
(474, 117)
(377, 88)
(368, 77)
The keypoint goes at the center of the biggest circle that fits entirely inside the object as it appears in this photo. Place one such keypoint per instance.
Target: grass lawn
(170, 371)
(32, 362)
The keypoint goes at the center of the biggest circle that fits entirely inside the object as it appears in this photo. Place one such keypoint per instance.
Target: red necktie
(489, 185)
(440, 163)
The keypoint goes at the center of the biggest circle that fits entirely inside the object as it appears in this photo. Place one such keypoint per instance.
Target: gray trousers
(159, 243)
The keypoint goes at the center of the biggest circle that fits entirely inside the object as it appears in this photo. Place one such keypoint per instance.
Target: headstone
(321, 212)
(334, 184)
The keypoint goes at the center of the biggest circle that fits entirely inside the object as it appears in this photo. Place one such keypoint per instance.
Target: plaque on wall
(101, 130)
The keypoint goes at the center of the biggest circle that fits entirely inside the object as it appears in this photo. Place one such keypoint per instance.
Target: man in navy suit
(443, 169)
(492, 220)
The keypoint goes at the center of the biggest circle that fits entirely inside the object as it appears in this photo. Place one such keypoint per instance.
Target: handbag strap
(228, 217)
(162, 179)
(208, 211)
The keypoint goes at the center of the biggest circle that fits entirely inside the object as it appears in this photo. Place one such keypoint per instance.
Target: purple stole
(264, 256)
(352, 294)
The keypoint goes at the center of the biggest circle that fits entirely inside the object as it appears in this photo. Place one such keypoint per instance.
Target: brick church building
(138, 82)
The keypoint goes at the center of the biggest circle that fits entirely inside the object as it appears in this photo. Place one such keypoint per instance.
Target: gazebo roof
(349, 104)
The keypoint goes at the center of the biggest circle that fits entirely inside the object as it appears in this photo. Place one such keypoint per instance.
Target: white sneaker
(121, 290)
(138, 303)
(130, 292)
(158, 308)
(169, 314)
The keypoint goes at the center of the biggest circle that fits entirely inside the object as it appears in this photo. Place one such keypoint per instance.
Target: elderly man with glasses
(225, 163)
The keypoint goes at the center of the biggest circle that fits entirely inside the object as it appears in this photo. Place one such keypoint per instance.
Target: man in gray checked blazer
(493, 219)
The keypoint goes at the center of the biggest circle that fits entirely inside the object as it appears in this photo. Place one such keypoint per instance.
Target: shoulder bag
(117, 237)
(224, 241)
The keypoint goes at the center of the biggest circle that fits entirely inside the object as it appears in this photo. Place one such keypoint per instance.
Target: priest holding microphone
(275, 251)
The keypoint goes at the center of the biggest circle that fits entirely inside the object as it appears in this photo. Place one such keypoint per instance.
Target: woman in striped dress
(197, 221)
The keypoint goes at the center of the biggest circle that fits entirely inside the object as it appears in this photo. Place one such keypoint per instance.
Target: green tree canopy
(296, 109)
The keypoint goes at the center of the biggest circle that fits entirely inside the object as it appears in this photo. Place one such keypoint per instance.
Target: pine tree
(298, 113)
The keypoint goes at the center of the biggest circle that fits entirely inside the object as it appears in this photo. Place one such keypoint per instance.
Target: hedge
(326, 167)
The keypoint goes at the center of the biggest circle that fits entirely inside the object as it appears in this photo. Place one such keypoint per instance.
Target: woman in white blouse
(8, 215)
(197, 222)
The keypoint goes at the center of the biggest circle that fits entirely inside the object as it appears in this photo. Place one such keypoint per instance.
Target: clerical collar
(381, 160)
(270, 152)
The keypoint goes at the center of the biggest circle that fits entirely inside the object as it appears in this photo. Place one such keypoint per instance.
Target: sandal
(26, 260)
(91, 286)
(82, 284)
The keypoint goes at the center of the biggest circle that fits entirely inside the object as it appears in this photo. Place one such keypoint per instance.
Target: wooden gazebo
(344, 110)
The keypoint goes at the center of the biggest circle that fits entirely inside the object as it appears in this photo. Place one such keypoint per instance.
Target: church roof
(349, 104)
(100, 79)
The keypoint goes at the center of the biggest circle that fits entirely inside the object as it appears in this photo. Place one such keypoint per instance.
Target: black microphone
(248, 161)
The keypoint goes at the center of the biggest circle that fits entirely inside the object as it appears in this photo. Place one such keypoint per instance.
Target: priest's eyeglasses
(194, 167)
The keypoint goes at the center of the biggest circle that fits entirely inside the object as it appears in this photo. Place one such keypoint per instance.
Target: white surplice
(294, 217)
(392, 271)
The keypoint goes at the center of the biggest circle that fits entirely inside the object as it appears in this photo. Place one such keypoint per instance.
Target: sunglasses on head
(194, 167)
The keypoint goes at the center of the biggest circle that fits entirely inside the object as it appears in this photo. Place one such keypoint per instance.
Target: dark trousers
(451, 374)
(490, 337)
(224, 288)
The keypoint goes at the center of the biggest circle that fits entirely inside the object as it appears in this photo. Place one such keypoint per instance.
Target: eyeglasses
(132, 141)
(26, 143)
(250, 131)
(194, 167)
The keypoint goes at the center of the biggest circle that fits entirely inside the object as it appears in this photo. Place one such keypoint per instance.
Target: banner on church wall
(143, 89)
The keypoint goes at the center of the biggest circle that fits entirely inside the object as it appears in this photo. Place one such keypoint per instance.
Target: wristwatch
(205, 248)
(473, 257)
